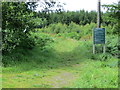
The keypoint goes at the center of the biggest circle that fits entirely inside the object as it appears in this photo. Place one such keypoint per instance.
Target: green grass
(67, 63)
(95, 75)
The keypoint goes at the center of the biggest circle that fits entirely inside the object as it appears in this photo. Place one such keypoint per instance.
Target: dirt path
(63, 79)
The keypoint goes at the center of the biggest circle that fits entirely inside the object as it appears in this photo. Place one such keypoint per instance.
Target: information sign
(99, 36)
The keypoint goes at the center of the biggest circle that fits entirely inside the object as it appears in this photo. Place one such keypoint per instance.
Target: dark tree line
(81, 17)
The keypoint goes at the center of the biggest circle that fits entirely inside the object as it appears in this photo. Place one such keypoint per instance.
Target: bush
(42, 40)
(87, 29)
(27, 43)
(72, 30)
(72, 35)
(13, 39)
(16, 25)
(73, 27)
(112, 45)
(39, 22)
(101, 56)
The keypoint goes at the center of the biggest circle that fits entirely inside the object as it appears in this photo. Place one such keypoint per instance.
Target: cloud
(73, 5)
(84, 4)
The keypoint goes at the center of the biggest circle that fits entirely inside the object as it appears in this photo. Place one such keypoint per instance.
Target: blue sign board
(99, 36)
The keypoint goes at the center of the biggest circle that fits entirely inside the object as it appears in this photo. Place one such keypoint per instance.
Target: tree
(112, 16)
(51, 6)
(16, 25)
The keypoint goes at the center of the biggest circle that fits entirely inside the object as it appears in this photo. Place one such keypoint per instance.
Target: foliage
(72, 35)
(42, 40)
(39, 22)
(81, 17)
(72, 30)
(113, 10)
(113, 45)
(112, 16)
(16, 25)
(87, 29)
(51, 6)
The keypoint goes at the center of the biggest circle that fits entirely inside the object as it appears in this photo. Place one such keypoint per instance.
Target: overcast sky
(89, 5)
(74, 5)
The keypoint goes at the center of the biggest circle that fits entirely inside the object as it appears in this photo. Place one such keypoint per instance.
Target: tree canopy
(16, 24)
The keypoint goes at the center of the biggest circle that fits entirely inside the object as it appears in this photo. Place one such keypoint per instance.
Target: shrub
(112, 45)
(73, 27)
(72, 35)
(87, 29)
(16, 25)
(42, 40)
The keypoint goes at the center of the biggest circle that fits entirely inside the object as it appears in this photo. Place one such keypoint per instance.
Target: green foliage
(81, 17)
(113, 45)
(101, 57)
(113, 10)
(37, 40)
(27, 43)
(42, 40)
(16, 25)
(72, 30)
(87, 29)
(55, 28)
(39, 22)
(112, 16)
(72, 35)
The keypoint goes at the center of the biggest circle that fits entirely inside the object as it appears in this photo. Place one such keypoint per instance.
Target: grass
(67, 63)
(94, 75)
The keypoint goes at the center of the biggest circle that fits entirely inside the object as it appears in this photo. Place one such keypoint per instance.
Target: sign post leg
(104, 48)
(93, 48)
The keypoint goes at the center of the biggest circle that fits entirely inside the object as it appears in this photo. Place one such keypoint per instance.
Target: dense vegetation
(81, 17)
(39, 45)
(16, 25)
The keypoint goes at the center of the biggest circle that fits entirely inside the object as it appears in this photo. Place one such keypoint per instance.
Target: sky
(74, 5)
(89, 5)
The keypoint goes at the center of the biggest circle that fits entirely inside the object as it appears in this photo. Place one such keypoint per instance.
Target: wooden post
(93, 41)
(99, 14)
(93, 48)
(104, 48)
